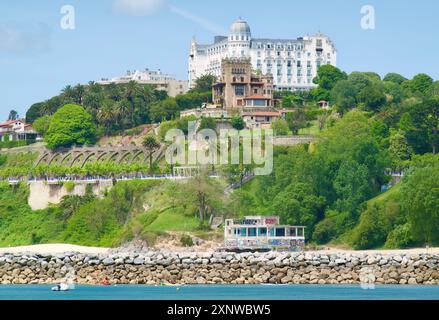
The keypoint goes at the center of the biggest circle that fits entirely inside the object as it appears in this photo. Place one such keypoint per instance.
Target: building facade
(17, 130)
(293, 63)
(262, 233)
(239, 86)
(157, 79)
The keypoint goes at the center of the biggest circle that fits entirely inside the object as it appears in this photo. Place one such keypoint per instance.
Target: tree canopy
(71, 125)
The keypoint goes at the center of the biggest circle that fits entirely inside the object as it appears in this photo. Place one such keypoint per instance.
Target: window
(252, 232)
(239, 90)
(280, 232)
(262, 232)
(259, 103)
(243, 232)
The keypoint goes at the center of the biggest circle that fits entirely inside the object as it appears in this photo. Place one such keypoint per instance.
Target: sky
(39, 56)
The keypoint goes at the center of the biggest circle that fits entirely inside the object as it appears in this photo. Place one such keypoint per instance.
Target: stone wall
(219, 268)
(43, 193)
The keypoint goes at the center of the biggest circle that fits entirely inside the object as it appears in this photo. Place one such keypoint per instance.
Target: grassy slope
(132, 209)
(19, 225)
(385, 196)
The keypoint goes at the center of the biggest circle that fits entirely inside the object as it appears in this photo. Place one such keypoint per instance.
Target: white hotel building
(293, 63)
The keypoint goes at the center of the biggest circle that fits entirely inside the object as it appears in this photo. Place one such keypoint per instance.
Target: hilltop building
(157, 79)
(293, 63)
(241, 90)
(239, 86)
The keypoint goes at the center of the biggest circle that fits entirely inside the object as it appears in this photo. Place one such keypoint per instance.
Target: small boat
(61, 287)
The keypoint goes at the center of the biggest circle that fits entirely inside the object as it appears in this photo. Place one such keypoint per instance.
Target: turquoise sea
(222, 292)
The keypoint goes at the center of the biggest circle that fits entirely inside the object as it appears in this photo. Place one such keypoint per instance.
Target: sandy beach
(62, 248)
(53, 249)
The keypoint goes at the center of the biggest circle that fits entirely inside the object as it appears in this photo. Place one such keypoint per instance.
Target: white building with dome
(292, 62)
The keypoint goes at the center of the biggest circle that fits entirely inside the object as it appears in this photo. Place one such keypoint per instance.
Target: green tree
(328, 76)
(151, 144)
(42, 125)
(394, 78)
(298, 205)
(420, 198)
(164, 110)
(238, 123)
(207, 123)
(433, 91)
(400, 150)
(297, 120)
(343, 95)
(204, 83)
(70, 125)
(280, 127)
(206, 194)
(421, 83)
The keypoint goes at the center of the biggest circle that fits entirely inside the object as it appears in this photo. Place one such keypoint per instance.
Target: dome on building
(240, 27)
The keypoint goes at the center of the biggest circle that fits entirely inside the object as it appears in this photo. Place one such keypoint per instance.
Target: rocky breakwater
(157, 267)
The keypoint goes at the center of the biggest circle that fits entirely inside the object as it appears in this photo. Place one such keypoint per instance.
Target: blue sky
(38, 58)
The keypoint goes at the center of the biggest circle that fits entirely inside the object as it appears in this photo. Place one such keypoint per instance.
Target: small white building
(17, 130)
(262, 233)
(157, 79)
(293, 63)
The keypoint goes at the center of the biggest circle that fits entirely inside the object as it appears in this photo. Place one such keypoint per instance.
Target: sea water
(222, 292)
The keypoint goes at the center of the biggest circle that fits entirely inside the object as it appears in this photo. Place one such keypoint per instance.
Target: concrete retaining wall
(43, 193)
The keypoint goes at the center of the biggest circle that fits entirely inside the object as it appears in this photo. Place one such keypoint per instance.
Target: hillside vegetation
(131, 210)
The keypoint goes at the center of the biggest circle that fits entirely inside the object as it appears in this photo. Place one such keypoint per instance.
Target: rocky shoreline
(157, 267)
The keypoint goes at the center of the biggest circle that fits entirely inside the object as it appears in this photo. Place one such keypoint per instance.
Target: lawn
(311, 130)
(170, 221)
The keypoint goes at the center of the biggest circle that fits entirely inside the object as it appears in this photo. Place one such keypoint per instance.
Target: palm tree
(123, 110)
(68, 92)
(13, 115)
(151, 144)
(131, 91)
(106, 117)
(79, 91)
(114, 91)
(147, 93)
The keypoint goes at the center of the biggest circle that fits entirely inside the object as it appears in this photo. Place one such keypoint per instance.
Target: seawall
(44, 193)
(220, 268)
